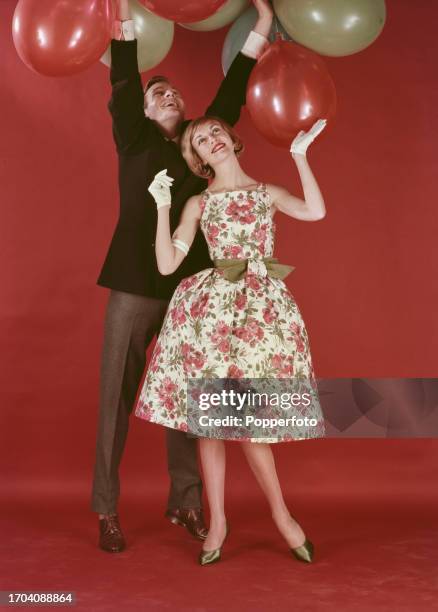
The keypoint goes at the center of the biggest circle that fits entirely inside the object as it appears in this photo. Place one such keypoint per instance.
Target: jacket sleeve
(131, 128)
(231, 95)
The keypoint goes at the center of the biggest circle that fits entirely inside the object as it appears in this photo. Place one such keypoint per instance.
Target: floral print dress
(216, 328)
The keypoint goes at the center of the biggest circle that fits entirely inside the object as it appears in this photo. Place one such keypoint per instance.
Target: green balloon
(154, 37)
(225, 15)
(332, 27)
(239, 31)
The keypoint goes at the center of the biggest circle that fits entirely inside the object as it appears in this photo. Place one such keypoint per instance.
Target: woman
(226, 322)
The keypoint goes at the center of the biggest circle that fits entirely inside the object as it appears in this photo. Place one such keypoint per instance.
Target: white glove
(303, 139)
(160, 189)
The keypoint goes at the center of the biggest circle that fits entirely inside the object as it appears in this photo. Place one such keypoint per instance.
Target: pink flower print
(276, 361)
(212, 234)
(193, 359)
(256, 331)
(252, 332)
(297, 332)
(300, 344)
(252, 282)
(178, 315)
(148, 412)
(198, 360)
(241, 212)
(234, 372)
(283, 365)
(157, 352)
(295, 328)
(222, 329)
(233, 251)
(224, 346)
(168, 403)
(165, 393)
(269, 314)
(243, 334)
(168, 386)
(248, 218)
(232, 210)
(240, 301)
(186, 283)
(259, 235)
(199, 307)
(143, 409)
(219, 337)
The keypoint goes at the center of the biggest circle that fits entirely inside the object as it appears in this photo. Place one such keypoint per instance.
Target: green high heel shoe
(207, 557)
(304, 552)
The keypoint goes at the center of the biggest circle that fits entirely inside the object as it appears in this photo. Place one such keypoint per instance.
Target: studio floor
(376, 546)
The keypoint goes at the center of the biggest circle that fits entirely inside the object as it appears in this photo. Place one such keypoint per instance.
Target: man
(147, 127)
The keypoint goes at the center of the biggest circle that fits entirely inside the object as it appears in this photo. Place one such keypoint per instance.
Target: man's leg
(130, 324)
(184, 505)
(182, 461)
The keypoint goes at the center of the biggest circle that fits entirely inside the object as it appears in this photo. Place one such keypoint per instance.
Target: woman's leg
(262, 463)
(213, 467)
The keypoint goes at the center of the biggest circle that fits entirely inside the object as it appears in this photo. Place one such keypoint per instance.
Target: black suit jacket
(130, 264)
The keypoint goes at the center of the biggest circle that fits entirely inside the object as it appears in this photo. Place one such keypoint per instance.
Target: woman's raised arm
(171, 250)
(312, 207)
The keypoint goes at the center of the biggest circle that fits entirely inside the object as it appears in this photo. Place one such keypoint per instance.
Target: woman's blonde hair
(193, 160)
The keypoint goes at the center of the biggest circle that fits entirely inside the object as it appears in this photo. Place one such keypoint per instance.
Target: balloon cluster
(289, 88)
(62, 37)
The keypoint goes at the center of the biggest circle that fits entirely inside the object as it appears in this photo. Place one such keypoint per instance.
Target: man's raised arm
(231, 95)
(127, 100)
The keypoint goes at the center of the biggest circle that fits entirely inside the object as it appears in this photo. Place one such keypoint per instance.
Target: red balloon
(183, 11)
(289, 89)
(61, 37)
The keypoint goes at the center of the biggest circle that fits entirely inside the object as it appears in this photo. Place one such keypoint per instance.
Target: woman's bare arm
(312, 207)
(170, 256)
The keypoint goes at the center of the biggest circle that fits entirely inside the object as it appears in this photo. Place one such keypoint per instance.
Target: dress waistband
(234, 269)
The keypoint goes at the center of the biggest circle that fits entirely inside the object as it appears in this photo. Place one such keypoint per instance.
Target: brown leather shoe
(190, 518)
(111, 537)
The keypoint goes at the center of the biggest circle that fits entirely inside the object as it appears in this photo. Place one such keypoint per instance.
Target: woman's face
(212, 143)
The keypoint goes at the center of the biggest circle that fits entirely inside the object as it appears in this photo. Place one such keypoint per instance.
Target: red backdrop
(365, 275)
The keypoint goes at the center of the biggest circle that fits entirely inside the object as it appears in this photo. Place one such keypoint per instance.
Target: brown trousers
(130, 324)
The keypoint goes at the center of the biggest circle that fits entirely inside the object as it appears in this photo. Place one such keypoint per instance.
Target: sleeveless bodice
(238, 224)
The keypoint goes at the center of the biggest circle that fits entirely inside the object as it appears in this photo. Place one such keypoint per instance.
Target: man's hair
(158, 78)
(193, 160)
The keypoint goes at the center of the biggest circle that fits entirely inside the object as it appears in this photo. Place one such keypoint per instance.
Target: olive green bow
(234, 269)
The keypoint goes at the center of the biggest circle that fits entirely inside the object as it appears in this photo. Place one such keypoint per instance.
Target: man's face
(163, 102)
